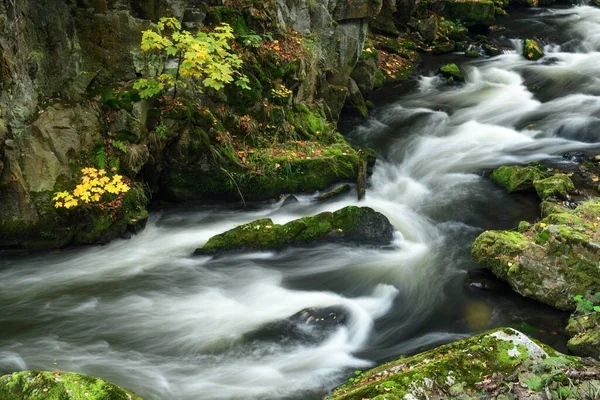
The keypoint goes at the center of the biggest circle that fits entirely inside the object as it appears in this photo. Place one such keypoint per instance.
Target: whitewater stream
(147, 315)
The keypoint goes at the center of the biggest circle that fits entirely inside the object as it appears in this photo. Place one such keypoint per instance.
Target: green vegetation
(205, 58)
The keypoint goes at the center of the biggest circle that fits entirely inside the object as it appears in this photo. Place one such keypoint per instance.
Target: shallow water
(147, 315)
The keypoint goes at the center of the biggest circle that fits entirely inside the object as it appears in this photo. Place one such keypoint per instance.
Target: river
(147, 315)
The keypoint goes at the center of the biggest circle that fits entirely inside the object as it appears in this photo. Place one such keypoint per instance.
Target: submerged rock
(503, 363)
(532, 50)
(46, 385)
(355, 225)
(517, 178)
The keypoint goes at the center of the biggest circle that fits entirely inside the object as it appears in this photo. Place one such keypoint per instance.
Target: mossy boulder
(452, 71)
(517, 178)
(501, 362)
(532, 50)
(558, 185)
(471, 12)
(353, 225)
(584, 327)
(551, 261)
(56, 385)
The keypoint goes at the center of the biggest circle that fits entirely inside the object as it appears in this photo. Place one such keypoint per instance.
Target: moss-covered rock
(552, 261)
(452, 71)
(517, 178)
(558, 185)
(56, 385)
(471, 12)
(356, 225)
(502, 362)
(532, 50)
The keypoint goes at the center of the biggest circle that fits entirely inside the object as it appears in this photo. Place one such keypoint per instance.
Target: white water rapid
(147, 315)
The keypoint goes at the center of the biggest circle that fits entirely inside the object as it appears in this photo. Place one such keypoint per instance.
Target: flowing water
(147, 315)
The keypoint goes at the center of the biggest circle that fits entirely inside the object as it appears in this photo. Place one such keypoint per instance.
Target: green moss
(499, 250)
(532, 50)
(118, 97)
(516, 178)
(459, 368)
(452, 71)
(263, 234)
(46, 385)
(470, 12)
(558, 185)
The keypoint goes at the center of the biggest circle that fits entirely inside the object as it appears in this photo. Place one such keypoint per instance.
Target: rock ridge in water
(499, 364)
(353, 225)
(51, 385)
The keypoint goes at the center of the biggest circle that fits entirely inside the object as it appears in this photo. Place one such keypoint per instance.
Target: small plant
(585, 306)
(356, 378)
(95, 187)
(119, 145)
(206, 59)
(161, 131)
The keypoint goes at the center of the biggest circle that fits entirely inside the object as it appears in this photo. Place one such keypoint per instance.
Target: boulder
(517, 178)
(584, 327)
(532, 50)
(46, 385)
(349, 225)
(471, 12)
(452, 71)
(499, 364)
(356, 9)
(553, 261)
(558, 185)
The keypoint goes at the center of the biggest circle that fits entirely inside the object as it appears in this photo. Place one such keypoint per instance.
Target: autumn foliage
(95, 187)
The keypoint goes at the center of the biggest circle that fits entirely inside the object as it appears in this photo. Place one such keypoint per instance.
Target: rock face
(502, 364)
(46, 385)
(354, 225)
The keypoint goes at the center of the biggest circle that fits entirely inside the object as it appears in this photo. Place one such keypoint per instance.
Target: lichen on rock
(502, 362)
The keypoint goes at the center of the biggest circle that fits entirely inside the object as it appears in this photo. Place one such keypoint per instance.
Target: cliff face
(54, 52)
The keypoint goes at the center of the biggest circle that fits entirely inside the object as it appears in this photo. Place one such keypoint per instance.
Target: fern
(101, 157)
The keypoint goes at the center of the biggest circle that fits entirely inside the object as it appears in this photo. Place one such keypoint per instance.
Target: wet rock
(45, 385)
(517, 178)
(289, 199)
(557, 186)
(552, 262)
(349, 225)
(502, 363)
(452, 71)
(328, 316)
(577, 157)
(484, 279)
(532, 50)
(335, 193)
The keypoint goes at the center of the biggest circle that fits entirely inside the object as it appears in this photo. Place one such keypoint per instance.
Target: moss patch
(47, 385)
(350, 224)
(517, 178)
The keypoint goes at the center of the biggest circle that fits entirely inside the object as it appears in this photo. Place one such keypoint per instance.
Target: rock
(451, 71)
(356, 9)
(46, 385)
(532, 50)
(552, 262)
(349, 225)
(502, 363)
(384, 23)
(483, 279)
(516, 178)
(558, 185)
(364, 74)
(584, 327)
(355, 103)
(471, 12)
(335, 193)
(428, 28)
(322, 317)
